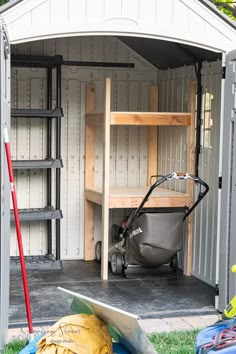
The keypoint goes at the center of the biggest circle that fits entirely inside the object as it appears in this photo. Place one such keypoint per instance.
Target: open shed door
(227, 279)
(4, 183)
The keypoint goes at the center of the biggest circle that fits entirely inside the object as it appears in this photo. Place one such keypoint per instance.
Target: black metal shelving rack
(49, 212)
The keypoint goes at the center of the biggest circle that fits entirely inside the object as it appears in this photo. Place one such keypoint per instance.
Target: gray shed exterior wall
(173, 88)
(227, 279)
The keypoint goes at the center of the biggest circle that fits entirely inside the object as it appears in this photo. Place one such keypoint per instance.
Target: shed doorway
(128, 144)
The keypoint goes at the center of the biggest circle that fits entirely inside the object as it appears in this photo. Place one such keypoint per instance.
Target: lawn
(14, 347)
(179, 342)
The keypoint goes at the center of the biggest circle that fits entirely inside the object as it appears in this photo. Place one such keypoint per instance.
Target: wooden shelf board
(140, 118)
(132, 197)
(150, 118)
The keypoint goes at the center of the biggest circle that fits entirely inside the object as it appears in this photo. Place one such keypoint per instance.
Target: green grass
(179, 342)
(14, 347)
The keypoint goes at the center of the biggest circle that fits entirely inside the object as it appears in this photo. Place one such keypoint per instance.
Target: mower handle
(177, 176)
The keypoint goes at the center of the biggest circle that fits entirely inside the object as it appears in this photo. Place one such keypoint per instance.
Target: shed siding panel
(161, 19)
(80, 14)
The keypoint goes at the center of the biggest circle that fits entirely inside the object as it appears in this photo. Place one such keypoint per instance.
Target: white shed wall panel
(28, 143)
(174, 90)
(28, 137)
(40, 19)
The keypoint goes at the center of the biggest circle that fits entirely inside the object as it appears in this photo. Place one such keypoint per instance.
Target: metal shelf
(36, 164)
(36, 113)
(36, 262)
(37, 214)
(52, 161)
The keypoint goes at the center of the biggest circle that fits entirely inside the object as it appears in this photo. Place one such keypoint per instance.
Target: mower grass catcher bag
(77, 334)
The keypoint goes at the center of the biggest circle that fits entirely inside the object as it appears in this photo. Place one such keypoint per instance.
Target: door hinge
(223, 72)
(220, 183)
(217, 291)
(5, 44)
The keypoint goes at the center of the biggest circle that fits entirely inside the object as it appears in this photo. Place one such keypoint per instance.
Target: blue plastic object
(119, 349)
(32, 348)
(208, 334)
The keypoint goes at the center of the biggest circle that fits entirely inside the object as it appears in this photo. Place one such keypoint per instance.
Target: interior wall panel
(28, 140)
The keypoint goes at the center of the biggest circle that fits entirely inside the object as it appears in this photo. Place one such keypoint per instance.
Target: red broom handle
(18, 231)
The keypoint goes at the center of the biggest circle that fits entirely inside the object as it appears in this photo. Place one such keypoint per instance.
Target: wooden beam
(153, 202)
(90, 99)
(106, 178)
(94, 119)
(188, 257)
(152, 153)
(89, 156)
(153, 98)
(89, 176)
(150, 118)
(88, 230)
(94, 196)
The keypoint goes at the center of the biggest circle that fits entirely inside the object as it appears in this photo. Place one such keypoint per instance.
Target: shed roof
(168, 34)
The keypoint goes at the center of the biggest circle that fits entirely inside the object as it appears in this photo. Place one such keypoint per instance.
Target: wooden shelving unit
(130, 197)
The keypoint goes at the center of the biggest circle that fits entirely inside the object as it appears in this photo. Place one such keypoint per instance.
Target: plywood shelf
(132, 197)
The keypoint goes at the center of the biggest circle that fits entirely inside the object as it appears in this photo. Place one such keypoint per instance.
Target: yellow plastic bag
(77, 334)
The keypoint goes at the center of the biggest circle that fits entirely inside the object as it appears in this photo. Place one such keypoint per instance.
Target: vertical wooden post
(106, 179)
(188, 256)
(152, 135)
(89, 176)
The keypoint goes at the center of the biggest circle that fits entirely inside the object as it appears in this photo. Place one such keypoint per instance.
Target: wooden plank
(106, 178)
(188, 257)
(90, 99)
(150, 118)
(94, 196)
(152, 136)
(153, 98)
(88, 230)
(89, 176)
(132, 197)
(89, 156)
(94, 119)
(132, 202)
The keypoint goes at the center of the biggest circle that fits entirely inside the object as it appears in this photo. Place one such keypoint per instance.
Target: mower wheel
(174, 263)
(116, 263)
(98, 251)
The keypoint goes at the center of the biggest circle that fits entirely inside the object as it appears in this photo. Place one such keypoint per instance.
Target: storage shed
(162, 57)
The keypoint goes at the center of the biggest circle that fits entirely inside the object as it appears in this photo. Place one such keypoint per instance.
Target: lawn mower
(151, 237)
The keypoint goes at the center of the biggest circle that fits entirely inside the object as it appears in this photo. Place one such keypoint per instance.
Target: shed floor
(147, 293)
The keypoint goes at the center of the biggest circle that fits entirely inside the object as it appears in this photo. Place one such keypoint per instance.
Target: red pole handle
(18, 231)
